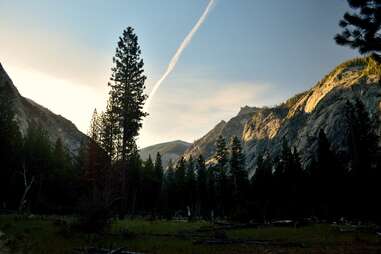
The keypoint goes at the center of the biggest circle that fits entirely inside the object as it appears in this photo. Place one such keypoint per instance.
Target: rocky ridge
(29, 112)
(300, 118)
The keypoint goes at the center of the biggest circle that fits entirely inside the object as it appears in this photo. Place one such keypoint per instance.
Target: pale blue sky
(247, 52)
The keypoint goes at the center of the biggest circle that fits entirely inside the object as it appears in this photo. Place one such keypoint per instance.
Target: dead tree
(27, 187)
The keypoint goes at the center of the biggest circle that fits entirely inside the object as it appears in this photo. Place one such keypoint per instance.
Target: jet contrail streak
(179, 51)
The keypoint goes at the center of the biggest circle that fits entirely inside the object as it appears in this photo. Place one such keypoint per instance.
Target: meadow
(54, 235)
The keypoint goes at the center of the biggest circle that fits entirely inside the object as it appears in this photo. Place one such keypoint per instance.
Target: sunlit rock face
(28, 112)
(300, 118)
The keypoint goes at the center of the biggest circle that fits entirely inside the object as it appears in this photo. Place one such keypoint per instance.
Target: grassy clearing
(34, 235)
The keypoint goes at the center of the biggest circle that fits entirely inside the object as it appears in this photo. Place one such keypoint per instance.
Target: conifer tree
(201, 185)
(237, 167)
(135, 178)
(221, 154)
(95, 163)
(158, 170)
(180, 174)
(127, 98)
(261, 185)
(362, 138)
(220, 176)
(190, 179)
(288, 177)
(148, 184)
(363, 148)
(212, 195)
(326, 172)
(61, 156)
(127, 90)
(158, 167)
(362, 29)
(94, 128)
(109, 133)
(239, 179)
(170, 183)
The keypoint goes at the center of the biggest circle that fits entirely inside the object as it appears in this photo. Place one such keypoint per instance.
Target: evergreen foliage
(361, 29)
(127, 91)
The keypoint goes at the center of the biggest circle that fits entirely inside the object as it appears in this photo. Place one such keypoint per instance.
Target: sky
(247, 52)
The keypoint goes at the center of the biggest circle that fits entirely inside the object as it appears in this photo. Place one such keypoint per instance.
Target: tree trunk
(26, 190)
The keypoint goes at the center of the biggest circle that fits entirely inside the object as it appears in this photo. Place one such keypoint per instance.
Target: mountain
(300, 118)
(29, 112)
(169, 151)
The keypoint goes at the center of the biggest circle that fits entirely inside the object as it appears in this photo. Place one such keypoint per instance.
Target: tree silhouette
(362, 29)
(127, 97)
(202, 188)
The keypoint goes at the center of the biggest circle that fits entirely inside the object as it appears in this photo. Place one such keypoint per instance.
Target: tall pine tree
(202, 189)
(237, 169)
(127, 97)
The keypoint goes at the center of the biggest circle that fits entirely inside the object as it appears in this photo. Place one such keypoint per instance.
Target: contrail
(179, 51)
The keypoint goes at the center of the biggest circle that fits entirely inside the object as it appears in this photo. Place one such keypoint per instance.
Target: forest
(107, 178)
(105, 182)
(41, 177)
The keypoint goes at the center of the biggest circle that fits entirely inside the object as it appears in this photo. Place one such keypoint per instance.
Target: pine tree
(212, 195)
(237, 167)
(363, 148)
(158, 168)
(148, 185)
(326, 172)
(261, 185)
(170, 183)
(61, 182)
(288, 178)
(94, 129)
(109, 133)
(135, 179)
(220, 176)
(180, 174)
(202, 189)
(362, 138)
(190, 179)
(362, 29)
(127, 98)
(95, 164)
(221, 154)
(61, 156)
(127, 90)
(284, 160)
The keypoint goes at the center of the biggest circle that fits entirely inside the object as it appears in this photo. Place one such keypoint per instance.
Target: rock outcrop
(28, 112)
(300, 118)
